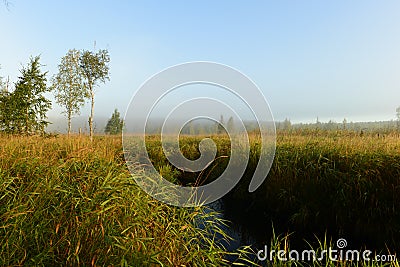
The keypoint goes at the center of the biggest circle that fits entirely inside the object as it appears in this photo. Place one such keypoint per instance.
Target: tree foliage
(115, 124)
(24, 110)
(95, 70)
(2, 85)
(69, 86)
(4, 97)
(4, 109)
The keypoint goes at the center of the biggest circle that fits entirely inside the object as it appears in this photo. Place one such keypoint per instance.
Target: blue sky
(334, 60)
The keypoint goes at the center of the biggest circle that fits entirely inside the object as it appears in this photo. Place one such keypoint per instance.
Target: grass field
(71, 202)
(66, 201)
(343, 183)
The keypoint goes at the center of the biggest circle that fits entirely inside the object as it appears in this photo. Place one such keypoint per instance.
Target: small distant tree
(115, 124)
(344, 123)
(230, 125)
(95, 70)
(330, 125)
(287, 125)
(398, 117)
(220, 125)
(318, 124)
(68, 85)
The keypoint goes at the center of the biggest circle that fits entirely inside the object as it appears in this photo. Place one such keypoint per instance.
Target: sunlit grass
(341, 182)
(71, 202)
(67, 201)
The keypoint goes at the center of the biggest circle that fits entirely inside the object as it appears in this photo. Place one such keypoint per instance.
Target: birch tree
(95, 70)
(69, 87)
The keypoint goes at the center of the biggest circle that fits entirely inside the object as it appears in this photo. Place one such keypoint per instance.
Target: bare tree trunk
(69, 123)
(91, 116)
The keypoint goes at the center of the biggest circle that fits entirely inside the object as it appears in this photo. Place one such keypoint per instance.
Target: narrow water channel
(238, 232)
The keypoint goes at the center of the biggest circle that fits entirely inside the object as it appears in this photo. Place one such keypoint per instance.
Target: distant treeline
(382, 126)
(204, 127)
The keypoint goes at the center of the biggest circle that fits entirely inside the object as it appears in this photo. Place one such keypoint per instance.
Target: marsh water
(240, 234)
(257, 230)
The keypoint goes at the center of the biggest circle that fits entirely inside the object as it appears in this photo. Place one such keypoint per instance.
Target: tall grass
(67, 201)
(344, 183)
(337, 181)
